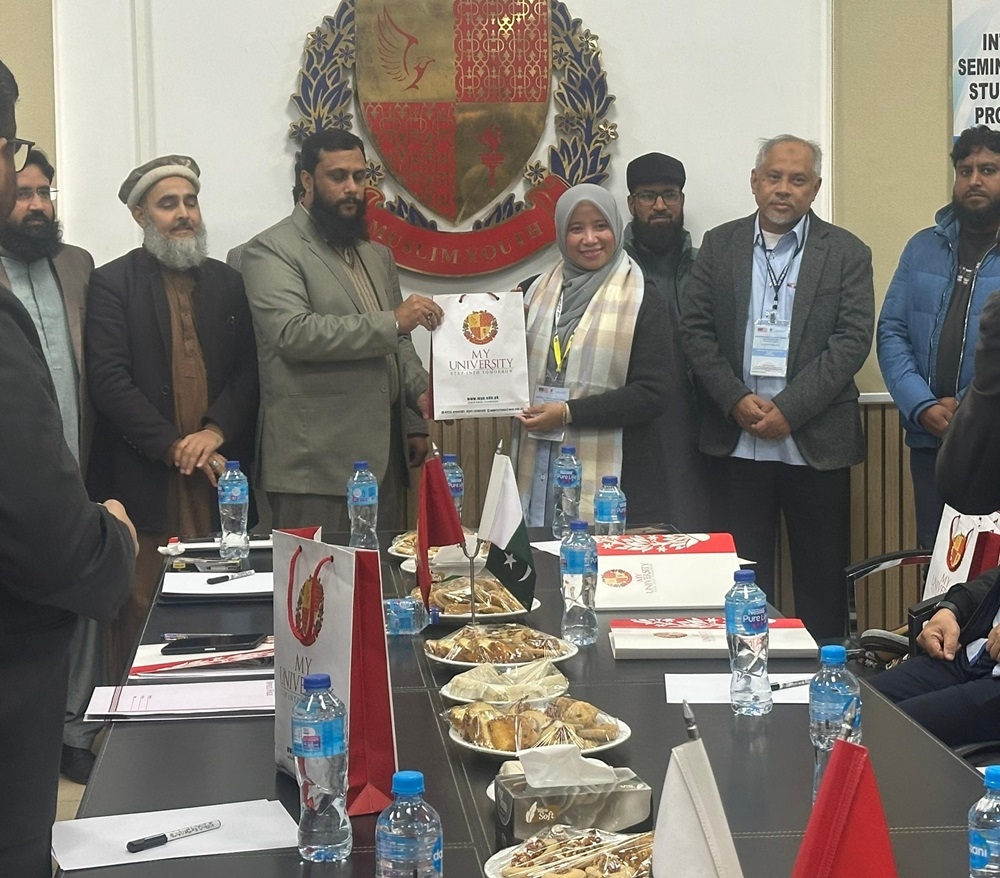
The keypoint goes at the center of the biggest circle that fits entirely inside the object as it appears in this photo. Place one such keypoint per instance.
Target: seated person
(953, 688)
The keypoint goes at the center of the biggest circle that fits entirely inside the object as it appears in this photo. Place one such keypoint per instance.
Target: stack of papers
(196, 587)
(701, 637)
(183, 700)
(151, 662)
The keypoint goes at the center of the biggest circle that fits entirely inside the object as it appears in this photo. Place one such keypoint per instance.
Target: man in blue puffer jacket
(929, 325)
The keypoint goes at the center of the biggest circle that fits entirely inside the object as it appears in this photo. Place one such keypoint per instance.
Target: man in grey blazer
(776, 321)
(337, 366)
(50, 278)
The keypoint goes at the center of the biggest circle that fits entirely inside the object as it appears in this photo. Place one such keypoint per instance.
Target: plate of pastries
(453, 598)
(405, 545)
(562, 852)
(501, 730)
(504, 643)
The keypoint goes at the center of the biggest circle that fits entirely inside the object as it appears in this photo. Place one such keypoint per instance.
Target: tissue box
(521, 811)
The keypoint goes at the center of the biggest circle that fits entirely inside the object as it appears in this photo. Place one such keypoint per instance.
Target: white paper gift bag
(479, 356)
(328, 620)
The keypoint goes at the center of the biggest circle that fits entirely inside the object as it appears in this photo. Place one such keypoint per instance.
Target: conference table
(763, 765)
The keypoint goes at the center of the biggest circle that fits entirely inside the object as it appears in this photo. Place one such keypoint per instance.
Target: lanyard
(777, 280)
(560, 353)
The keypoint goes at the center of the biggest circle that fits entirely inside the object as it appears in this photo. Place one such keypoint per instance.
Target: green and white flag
(502, 524)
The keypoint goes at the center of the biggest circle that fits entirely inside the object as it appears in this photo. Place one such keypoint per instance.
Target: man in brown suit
(50, 278)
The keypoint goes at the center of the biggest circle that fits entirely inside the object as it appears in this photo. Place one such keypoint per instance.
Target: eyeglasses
(44, 193)
(19, 149)
(647, 198)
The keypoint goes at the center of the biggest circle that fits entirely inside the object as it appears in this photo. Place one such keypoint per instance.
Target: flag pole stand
(472, 576)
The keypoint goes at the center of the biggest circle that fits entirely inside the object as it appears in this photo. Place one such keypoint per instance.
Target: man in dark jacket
(172, 372)
(60, 555)
(953, 690)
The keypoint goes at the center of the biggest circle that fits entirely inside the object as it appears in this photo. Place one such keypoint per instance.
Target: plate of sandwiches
(452, 596)
(500, 730)
(580, 853)
(503, 685)
(501, 643)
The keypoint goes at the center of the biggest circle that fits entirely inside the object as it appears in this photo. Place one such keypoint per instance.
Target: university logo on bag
(453, 98)
(480, 327)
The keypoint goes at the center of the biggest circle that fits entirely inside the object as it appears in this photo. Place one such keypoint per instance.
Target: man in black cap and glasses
(657, 240)
(60, 556)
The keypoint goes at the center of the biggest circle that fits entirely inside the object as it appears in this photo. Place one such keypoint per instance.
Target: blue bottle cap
(232, 464)
(315, 681)
(449, 458)
(992, 777)
(360, 465)
(408, 783)
(569, 449)
(609, 480)
(833, 655)
(578, 525)
(744, 576)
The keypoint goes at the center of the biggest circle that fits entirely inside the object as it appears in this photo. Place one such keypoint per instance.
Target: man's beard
(659, 238)
(983, 218)
(31, 242)
(338, 230)
(178, 254)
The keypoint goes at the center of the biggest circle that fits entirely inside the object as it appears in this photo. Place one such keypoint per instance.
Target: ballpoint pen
(152, 841)
(791, 684)
(215, 580)
(692, 726)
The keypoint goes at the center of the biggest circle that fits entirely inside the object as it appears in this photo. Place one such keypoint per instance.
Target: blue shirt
(787, 252)
(36, 286)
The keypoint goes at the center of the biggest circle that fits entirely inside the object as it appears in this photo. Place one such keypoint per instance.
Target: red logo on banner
(455, 95)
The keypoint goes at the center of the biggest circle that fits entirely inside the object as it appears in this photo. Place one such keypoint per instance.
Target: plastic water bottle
(408, 839)
(234, 501)
(984, 829)
(568, 476)
(578, 565)
(832, 693)
(319, 747)
(609, 508)
(362, 505)
(746, 632)
(456, 480)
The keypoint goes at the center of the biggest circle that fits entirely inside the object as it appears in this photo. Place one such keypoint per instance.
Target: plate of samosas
(575, 853)
(451, 595)
(500, 730)
(497, 644)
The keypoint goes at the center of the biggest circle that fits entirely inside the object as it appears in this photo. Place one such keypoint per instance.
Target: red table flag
(847, 836)
(438, 523)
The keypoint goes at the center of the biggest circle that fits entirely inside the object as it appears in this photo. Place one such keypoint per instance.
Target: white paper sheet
(100, 841)
(714, 688)
(197, 584)
(550, 547)
(212, 698)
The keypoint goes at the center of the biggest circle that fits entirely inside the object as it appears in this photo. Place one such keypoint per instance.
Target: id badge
(543, 394)
(769, 356)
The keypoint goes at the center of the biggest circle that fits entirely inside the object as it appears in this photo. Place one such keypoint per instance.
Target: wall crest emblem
(453, 99)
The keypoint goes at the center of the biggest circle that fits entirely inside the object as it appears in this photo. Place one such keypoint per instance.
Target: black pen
(215, 580)
(152, 841)
(692, 726)
(791, 684)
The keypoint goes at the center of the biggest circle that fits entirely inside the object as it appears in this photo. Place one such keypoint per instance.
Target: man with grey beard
(172, 373)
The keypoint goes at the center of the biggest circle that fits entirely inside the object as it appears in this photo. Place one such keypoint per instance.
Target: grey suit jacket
(323, 376)
(831, 334)
(73, 266)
